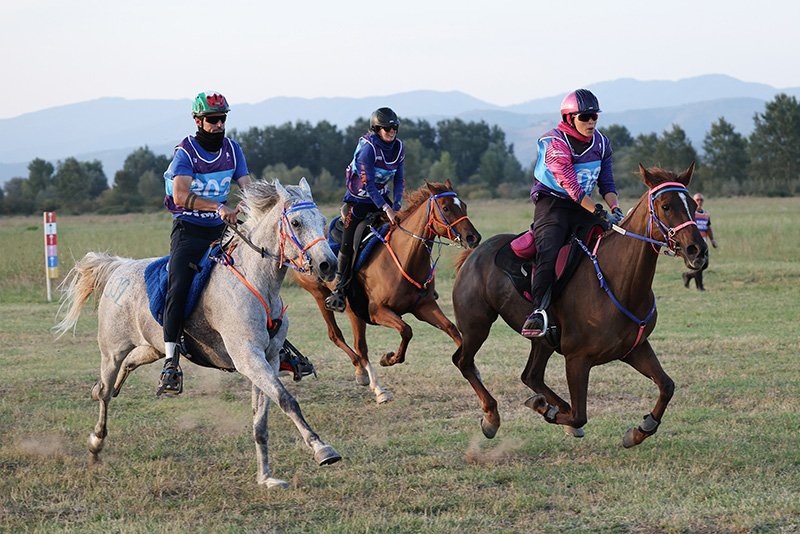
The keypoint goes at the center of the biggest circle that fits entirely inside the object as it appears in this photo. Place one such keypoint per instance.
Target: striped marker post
(50, 249)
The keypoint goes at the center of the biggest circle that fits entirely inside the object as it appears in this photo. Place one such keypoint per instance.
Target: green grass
(726, 458)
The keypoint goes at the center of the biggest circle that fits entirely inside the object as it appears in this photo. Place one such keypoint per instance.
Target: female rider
(573, 158)
(377, 160)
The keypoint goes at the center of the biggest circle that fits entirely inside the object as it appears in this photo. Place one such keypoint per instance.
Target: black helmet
(383, 118)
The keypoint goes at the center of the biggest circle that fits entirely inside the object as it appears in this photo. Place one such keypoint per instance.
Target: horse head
(671, 210)
(299, 225)
(448, 216)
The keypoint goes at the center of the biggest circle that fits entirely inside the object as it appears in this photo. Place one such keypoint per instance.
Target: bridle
(653, 222)
(302, 266)
(224, 257)
(452, 235)
(448, 227)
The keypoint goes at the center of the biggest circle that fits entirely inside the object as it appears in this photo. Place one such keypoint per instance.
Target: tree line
(473, 155)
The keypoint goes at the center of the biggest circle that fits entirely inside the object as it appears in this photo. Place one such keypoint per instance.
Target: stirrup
(336, 301)
(171, 381)
(532, 331)
(294, 363)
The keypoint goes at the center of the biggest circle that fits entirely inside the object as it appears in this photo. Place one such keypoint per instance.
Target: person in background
(377, 161)
(197, 183)
(573, 158)
(703, 220)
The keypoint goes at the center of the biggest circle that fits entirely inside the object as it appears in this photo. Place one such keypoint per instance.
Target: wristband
(614, 206)
(386, 207)
(219, 207)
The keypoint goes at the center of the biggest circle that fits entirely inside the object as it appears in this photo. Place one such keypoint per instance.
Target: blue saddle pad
(365, 250)
(156, 277)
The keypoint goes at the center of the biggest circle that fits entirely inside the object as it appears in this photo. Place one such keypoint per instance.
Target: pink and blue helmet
(579, 101)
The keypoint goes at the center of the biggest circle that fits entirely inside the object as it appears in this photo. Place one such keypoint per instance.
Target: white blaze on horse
(228, 328)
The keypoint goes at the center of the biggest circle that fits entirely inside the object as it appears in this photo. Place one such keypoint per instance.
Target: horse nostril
(473, 240)
(692, 251)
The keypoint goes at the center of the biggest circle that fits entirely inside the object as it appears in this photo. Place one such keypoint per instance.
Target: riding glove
(617, 215)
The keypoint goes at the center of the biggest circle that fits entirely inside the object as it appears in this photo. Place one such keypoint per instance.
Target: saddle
(516, 257)
(365, 241)
(156, 276)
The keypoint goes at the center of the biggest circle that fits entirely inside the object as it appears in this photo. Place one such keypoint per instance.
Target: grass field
(726, 458)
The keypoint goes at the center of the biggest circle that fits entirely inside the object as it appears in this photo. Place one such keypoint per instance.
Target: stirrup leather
(171, 381)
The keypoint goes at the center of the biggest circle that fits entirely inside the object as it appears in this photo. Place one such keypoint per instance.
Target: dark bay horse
(594, 330)
(398, 278)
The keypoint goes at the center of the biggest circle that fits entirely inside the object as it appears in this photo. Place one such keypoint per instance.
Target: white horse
(229, 327)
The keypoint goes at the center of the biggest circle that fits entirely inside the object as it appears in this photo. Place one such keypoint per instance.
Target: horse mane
(662, 175)
(261, 195)
(415, 198)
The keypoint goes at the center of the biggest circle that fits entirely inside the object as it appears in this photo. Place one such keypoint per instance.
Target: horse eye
(296, 223)
(445, 208)
(665, 206)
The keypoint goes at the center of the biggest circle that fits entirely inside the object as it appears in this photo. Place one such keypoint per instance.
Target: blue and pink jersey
(211, 176)
(562, 172)
(703, 220)
(375, 164)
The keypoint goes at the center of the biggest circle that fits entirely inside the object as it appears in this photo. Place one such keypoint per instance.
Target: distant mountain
(108, 129)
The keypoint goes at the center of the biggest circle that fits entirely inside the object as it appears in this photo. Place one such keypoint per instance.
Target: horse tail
(462, 258)
(89, 275)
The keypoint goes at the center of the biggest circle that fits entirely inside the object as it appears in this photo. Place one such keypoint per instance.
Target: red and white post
(50, 249)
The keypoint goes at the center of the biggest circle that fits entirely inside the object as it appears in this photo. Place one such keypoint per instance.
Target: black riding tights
(188, 244)
(554, 221)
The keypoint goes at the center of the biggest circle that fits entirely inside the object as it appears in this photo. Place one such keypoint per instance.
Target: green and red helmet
(209, 102)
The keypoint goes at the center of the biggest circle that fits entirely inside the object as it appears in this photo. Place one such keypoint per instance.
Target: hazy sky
(58, 52)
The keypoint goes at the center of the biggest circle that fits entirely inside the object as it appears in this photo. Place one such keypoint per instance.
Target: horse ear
(304, 187)
(430, 187)
(282, 192)
(448, 184)
(647, 178)
(686, 177)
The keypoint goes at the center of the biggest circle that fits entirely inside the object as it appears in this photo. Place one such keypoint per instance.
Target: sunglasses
(216, 119)
(586, 117)
(390, 127)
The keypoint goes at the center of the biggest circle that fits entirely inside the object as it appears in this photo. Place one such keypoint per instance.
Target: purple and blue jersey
(211, 176)
(375, 164)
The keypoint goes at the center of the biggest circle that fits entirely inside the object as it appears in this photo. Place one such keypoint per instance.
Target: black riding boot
(336, 300)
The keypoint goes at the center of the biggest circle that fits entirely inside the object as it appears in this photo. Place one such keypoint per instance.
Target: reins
(668, 234)
(452, 234)
(225, 258)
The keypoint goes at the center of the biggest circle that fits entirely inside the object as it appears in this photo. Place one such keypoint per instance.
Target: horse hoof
(384, 397)
(537, 403)
(272, 483)
(629, 439)
(386, 361)
(95, 445)
(489, 430)
(362, 379)
(572, 431)
(327, 455)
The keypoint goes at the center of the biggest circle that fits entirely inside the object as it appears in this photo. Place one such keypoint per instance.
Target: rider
(197, 183)
(377, 160)
(573, 158)
(703, 220)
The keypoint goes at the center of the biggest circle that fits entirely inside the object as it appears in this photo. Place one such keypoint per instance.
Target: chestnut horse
(605, 312)
(398, 278)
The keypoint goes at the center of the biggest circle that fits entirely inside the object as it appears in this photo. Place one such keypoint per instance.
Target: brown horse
(398, 278)
(597, 324)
